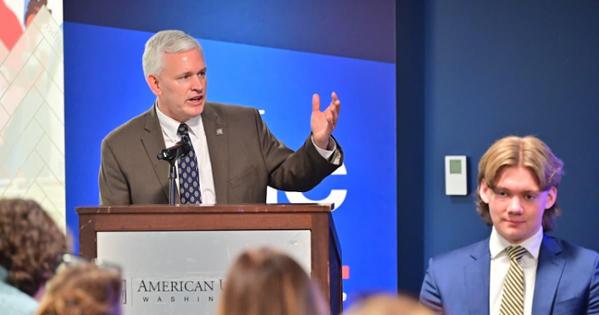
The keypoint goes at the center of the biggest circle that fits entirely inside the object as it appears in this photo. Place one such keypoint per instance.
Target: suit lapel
(217, 137)
(153, 142)
(476, 278)
(549, 273)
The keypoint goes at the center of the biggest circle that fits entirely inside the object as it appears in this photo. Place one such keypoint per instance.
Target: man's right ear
(484, 192)
(152, 81)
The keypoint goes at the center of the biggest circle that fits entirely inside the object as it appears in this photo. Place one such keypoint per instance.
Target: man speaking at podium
(232, 157)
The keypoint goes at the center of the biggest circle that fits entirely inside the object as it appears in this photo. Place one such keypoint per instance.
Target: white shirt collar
(170, 125)
(497, 244)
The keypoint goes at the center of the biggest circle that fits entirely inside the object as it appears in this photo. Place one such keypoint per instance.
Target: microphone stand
(172, 155)
(172, 182)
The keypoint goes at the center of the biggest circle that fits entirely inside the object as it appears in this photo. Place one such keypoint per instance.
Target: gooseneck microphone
(174, 152)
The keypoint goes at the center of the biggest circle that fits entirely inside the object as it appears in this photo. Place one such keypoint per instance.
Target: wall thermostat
(456, 177)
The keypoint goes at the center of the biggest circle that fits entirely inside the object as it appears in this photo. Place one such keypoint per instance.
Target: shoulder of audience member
(461, 253)
(15, 302)
(572, 250)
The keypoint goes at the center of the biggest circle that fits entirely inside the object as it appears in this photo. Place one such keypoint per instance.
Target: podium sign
(174, 258)
(184, 271)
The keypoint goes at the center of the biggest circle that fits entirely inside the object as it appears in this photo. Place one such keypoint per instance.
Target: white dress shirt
(500, 264)
(197, 135)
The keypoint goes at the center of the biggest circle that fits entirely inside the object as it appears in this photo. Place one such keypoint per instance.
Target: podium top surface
(229, 208)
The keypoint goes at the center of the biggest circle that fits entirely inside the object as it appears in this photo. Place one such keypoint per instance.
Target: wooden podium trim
(326, 254)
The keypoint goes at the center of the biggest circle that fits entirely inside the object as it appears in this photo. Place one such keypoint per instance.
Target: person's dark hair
(266, 282)
(30, 244)
(83, 289)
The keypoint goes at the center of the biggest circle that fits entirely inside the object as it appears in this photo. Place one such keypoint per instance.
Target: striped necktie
(512, 299)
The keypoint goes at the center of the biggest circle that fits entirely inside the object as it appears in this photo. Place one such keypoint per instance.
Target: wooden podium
(325, 254)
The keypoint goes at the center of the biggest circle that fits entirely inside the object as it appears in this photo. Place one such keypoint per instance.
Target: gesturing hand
(323, 123)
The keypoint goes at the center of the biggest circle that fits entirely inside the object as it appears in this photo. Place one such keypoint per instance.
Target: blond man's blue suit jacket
(567, 280)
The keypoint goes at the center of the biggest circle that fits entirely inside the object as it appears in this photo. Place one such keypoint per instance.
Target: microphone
(174, 152)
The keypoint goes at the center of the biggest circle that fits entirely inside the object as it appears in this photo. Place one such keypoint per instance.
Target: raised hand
(323, 123)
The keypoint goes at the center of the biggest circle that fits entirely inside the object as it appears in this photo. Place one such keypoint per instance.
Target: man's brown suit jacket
(245, 158)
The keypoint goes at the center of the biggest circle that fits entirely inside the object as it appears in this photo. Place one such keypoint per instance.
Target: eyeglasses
(69, 260)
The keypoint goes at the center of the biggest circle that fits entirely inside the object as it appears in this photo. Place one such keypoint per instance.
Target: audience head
(30, 244)
(517, 186)
(387, 304)
(267, 282)
(83, 288)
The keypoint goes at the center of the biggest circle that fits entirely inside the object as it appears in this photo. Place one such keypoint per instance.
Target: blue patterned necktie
(189, 183)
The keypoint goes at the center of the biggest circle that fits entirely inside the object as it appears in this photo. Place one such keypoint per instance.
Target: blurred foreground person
(30, 244)
(83, 289)
(266, 282)
(387, 304)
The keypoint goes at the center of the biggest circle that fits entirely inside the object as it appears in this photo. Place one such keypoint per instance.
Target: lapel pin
(219, 131)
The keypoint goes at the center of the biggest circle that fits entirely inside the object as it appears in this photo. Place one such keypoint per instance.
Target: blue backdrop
(105, 87)
(472, 72)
